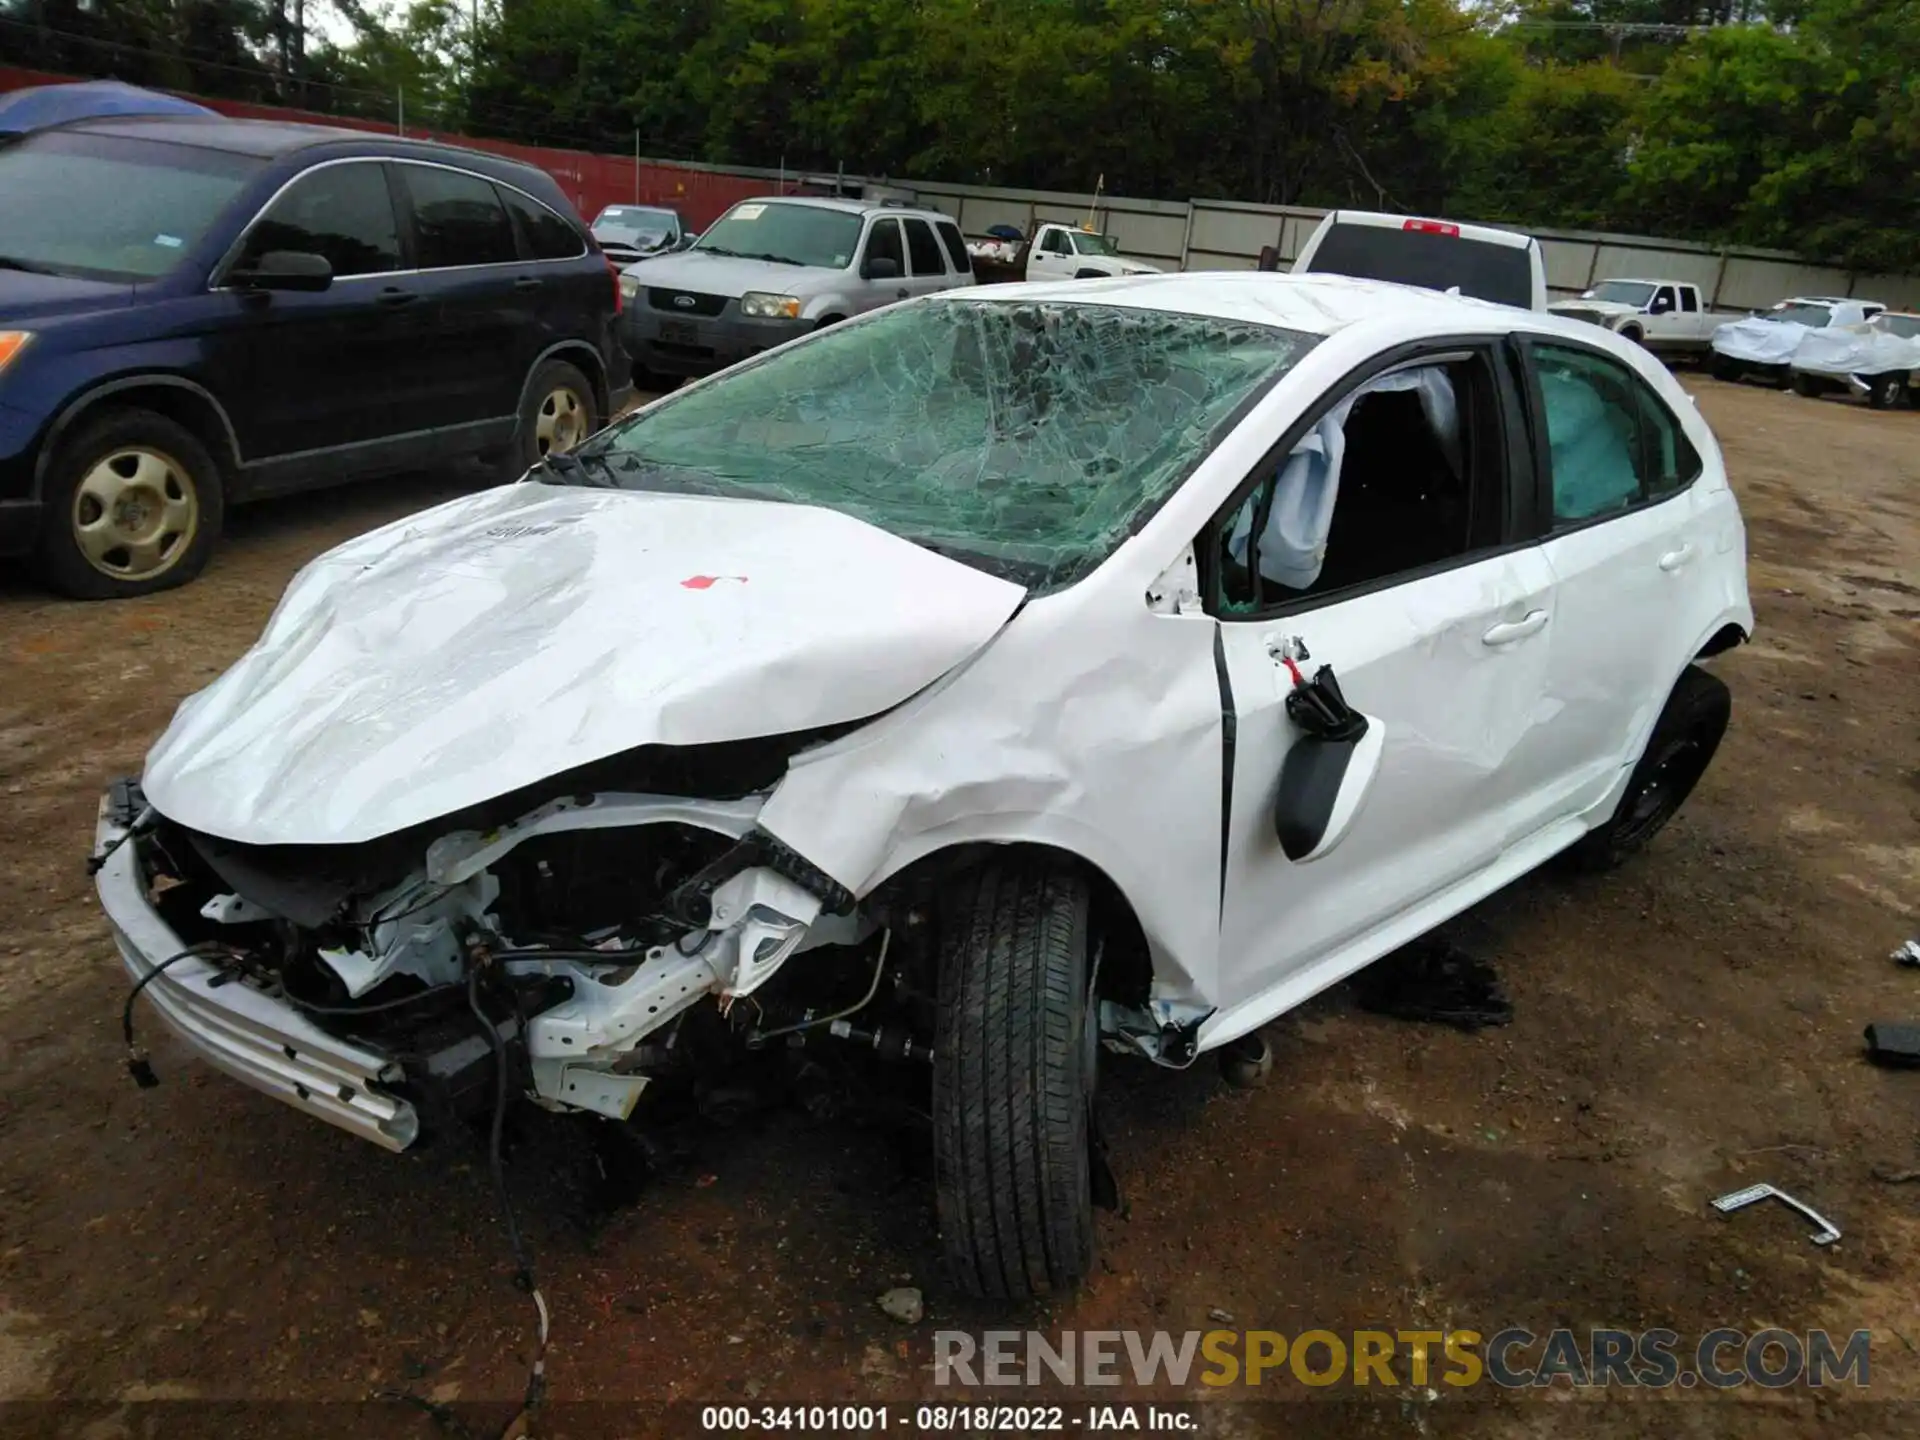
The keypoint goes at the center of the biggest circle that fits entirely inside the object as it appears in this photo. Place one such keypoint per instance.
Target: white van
(1499, 265)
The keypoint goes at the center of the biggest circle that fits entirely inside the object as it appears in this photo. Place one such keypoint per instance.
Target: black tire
(549, 424)
(1633, 333)
(1806, 385)
(159, 466)
(1678, 752)
(656, 381)
(1779, 376)
(1886, 391)
(1013, 1076)
(1721, 368)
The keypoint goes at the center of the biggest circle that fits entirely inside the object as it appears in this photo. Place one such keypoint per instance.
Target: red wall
(590, 181)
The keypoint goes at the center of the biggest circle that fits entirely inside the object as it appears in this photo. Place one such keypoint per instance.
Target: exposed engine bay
(581, 934)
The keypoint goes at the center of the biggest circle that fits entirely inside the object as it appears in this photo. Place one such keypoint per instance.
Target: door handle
(526, 282)
(393, 297)
(1674, 559)
(1511, 631)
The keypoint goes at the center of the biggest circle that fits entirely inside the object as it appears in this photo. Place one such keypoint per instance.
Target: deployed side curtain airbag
(1592, 460)
(1293, 542)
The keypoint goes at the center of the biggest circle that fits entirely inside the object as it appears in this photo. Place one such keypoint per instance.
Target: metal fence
(1173, 234)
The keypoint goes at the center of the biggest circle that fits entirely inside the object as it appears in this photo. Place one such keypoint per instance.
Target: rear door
(306, 372)
(927, 262)
(1628, 543)
(477, 299)
(1434, 609)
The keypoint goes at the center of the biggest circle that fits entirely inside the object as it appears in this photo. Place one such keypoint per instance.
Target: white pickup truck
(1669, 317)
(1056, 252)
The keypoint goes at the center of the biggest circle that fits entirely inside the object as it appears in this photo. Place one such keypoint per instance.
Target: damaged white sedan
(981, 685)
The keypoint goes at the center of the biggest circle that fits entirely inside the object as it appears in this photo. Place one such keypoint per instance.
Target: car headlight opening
(760, 305)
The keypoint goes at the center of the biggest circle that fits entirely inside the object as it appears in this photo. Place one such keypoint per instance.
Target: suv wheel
(1678, 752)
(1015, 1050)
(1885, 391)
(558, 413)
(1721, 368)
(133, 505)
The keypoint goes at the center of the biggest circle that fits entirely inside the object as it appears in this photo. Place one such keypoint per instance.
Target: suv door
(1628, 539)
(926, 263)
(301, 372)
(884, 243)
(478, 303)
(1432, 605)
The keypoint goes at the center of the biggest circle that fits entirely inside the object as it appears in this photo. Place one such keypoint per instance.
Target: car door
(477, 300)
(884, 243)
(308, 372)
(1628, 539)
(1432, 604)
(1053, 257)
(926, 264)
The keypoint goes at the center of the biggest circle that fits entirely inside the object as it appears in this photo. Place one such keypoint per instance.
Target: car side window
(1611, 442)
(343, 212)
(924, 249)
(544, 235)
(1406, 473)
(883, 243)
(956, 244)
(457, 219)
(1663, 300)
(1057, 243)
(1689, 300)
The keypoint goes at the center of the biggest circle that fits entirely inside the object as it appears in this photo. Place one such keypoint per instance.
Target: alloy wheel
(135, 513)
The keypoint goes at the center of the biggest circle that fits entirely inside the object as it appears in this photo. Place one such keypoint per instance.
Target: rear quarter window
(1500, 273)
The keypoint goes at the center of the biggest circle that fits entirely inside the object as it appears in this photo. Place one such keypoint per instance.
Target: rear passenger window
(1689, 300)
(544, 234)
(340, 211)
(924, 249)
(956, 244)
(1612, 443)
(457, 219)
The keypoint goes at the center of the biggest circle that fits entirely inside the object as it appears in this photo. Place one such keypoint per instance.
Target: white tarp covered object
(1869, 349)
(1763, 340)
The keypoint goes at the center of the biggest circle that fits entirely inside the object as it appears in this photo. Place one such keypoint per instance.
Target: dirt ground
(197, 1259)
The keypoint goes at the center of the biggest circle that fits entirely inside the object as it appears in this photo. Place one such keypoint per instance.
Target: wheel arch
(583, 357)
(181, 400)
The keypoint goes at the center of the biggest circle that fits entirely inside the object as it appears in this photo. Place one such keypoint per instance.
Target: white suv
(960, 692)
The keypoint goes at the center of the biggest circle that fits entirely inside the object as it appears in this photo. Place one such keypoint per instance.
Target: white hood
(1611, 309)
(512, 635)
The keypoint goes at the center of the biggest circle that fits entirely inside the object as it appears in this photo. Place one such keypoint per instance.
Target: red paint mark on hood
(707, 582)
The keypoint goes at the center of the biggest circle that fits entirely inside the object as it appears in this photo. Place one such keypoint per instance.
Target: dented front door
(1450, 670)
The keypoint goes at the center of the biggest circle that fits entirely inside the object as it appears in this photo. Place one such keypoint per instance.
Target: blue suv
(199, 311)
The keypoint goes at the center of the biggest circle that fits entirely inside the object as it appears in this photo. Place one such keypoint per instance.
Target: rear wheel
(1678, 752)
(1806, 385)
(559, 412)
(134, 505)
(1886, 391)
(1016, 1048)
(1721, 368)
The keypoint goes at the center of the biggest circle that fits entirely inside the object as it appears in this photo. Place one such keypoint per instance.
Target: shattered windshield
(1026, 439)
(1622, 292)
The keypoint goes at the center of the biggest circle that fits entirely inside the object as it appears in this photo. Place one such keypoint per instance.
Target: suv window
(544, 235)
(1611, 442)
(956, 244)
(1413, 465)
(344, 212)
(1430, 259)
(883, 243)
(924, 249)
(1689, 300)
(457, 219)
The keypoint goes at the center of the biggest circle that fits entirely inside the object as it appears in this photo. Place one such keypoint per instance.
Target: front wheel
(1678, 752)
(1721, 368)
(134, 505)
(1806, 385)
(1016, 1047)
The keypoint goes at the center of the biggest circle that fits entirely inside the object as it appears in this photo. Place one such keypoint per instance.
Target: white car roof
(1315, 304)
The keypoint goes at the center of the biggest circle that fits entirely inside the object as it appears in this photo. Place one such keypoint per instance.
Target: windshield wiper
(716, 250)
(8, 262)
(776, 259)
(588, 468)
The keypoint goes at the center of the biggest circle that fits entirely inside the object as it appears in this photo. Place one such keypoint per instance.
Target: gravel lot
(198, 1259)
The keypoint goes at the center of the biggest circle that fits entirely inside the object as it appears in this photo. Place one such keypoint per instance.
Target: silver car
(774, 268)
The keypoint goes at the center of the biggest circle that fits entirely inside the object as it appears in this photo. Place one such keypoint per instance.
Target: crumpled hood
(509, 636)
